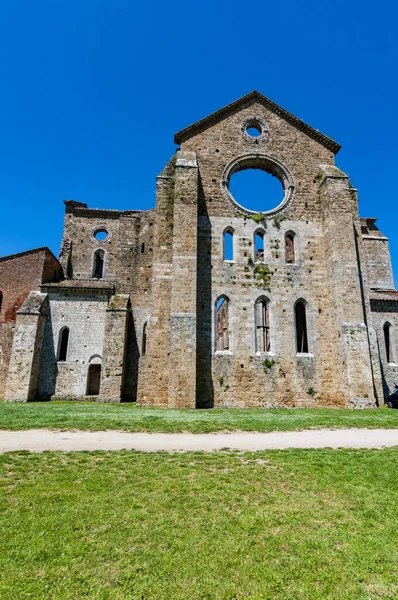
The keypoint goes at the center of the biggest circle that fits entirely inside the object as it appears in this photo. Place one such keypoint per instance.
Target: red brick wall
(20, 274)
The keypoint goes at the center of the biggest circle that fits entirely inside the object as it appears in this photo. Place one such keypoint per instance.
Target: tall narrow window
(63, 344)
(263, 343)
(301, 327)
(289, 248)
(143, 350)
(1, 299)
(98, 268)
(387, 341)
(259, 246)
(222, 310)
(228, 245)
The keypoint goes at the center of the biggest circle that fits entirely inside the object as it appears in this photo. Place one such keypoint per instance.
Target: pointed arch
(290, 257)
(262, 324)
(63, 343)
(94, 375)
(228, 244)
(300, 317)
(223, 333)
(98, 264)
(387, 332)
(259, 245)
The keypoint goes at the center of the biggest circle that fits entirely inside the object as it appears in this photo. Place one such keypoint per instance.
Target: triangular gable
(250, 98)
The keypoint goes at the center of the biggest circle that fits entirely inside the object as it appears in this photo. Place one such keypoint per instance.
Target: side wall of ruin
(84, 313)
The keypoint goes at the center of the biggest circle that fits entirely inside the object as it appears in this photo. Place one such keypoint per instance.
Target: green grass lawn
(129, 417)
(293, 524)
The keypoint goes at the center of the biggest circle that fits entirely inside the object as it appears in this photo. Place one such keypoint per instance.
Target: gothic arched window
(259, 246)
(228, 244)
(63, 342)
(289, 248)
(223, 332)
(387, 341)
(98, 267)
(263, 341)
(301, 327)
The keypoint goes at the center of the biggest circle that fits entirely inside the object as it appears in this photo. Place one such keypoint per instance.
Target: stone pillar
(182, 385)
(339, 210)
(153, 373)
(113, 358)
(24, 367)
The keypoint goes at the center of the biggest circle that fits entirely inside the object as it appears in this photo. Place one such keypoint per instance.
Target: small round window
(101, 234)
(253, 131)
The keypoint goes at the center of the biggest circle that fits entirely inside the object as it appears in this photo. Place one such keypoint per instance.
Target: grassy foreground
(129, 417)
(293, 524)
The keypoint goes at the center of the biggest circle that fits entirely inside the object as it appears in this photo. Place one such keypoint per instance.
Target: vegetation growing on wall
(262, 277)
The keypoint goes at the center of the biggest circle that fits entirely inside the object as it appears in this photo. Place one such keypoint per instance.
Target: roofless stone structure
(203, 302)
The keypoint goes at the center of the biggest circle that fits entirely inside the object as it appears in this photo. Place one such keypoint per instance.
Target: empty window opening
(222, 312)
(228, 245)
(301, 327)
(1, 300)
(289, 248)
(142, 248)
(63, 344)
(256, 189)
(98, 269)
(93, 380)
(101, 235)
(263, 343)
(387, 341)
(259, 246)
(253, 131)
(143, 350)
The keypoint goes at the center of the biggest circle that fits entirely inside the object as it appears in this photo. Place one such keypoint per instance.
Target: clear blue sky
(93, 91)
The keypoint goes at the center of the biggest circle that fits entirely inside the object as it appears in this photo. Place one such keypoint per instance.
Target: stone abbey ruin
(149, 306)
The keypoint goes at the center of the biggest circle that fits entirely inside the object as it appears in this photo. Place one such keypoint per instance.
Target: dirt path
(38, 440)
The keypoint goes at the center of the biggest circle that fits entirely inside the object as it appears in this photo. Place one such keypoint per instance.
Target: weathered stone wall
(164, 271)
(84, 313)
(129, 253)
(182, 366)
(384, 308)
(377, 256)
(22, 380)
(19, 274)
(6, 338)
(153, 376)
(241, 377)
(114, 353)
(128, 248)
(219, 145)
(378, 263)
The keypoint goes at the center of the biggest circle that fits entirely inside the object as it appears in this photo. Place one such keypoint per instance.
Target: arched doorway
(94, 377)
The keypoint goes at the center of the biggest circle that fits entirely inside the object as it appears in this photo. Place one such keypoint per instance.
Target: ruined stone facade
(148, 308)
